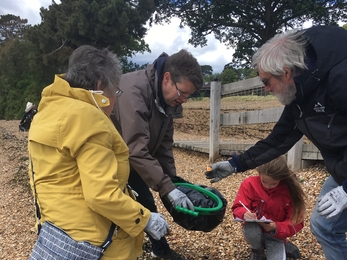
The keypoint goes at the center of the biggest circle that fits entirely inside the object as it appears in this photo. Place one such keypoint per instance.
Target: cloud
(170, 38)
(167, 38)
(26, 9)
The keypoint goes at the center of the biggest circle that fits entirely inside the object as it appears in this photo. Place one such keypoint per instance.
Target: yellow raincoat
(81, 169)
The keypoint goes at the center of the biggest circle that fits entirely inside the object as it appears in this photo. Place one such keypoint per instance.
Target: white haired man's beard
(287, 96)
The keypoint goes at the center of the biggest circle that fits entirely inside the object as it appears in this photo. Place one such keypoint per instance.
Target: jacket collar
(60, 87)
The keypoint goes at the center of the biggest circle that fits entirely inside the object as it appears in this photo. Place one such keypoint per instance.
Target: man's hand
(178, 198)
(157, 227)
(332, 203)
(219, 171)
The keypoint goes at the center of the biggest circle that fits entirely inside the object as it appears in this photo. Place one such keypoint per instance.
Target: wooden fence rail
(299, 151)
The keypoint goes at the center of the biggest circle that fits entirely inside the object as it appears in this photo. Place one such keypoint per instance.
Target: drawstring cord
(96, 92)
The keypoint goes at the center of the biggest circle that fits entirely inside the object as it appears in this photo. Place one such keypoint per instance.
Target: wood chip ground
(17, 234)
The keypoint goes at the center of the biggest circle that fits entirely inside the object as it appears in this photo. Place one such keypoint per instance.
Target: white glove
(157, 227)
(334, 202)
(219, 171)
(178, 198)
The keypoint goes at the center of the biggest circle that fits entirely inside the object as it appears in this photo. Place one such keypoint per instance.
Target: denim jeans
(330, 233)
(258, 239)
(146, 199)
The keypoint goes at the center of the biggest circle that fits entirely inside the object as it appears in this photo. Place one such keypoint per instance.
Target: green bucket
(200, 210)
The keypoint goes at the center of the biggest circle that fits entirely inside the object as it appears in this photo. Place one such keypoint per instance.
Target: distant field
(236, 102)
(196, 116)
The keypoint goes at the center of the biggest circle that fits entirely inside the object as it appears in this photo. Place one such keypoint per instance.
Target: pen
(243, 205)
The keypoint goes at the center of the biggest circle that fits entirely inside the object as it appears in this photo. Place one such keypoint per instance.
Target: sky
(167, 38)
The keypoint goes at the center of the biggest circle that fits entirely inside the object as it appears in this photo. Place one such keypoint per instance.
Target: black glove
(219, 171)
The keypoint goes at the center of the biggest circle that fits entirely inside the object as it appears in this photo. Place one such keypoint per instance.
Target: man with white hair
(307, 71)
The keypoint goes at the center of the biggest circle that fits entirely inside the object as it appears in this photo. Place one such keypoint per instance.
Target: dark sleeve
(344, 185)
(283, 137)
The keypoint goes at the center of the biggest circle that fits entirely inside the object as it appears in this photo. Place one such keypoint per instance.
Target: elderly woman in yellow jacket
(79, 163)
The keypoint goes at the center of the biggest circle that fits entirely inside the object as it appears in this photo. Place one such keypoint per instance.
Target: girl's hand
(268, 226)
(250, 215)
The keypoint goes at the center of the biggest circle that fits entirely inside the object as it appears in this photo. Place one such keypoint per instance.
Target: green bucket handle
(199, 210)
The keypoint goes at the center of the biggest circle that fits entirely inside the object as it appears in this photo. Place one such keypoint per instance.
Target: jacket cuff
(235, 162)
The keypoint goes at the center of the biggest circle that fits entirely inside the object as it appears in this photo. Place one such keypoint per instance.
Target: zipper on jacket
(313, 76)
(330, 127)
(161, 110)
(300, 116)
(304, 120)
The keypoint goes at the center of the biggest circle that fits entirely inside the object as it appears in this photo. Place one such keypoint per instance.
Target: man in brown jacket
(144, 116)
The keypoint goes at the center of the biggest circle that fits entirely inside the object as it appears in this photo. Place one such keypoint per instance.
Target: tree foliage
(129, 66)
(12, 27)
(206, 70)
(118, 25)
(246, 25)
(21, 77)
(29, 61)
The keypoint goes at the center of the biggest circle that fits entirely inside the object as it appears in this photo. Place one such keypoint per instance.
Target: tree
(229, 75)
(129, 66)
(246, 25)
(12, 27)
(21, 77)
(212, 77)
(118, 25)
(206, 70)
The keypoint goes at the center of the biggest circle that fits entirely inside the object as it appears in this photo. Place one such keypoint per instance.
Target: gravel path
(17, 219)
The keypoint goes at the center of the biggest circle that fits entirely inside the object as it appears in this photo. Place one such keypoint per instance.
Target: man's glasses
(118, 92)
(179, 94)
(266, 81)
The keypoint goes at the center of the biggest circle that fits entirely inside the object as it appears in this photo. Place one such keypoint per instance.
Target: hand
(333, 202)
(178, 198)
(249, 215)
(157, 227)
(268, 226)
(219, 171)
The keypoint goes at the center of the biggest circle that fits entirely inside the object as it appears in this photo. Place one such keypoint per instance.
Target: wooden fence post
(294, 156)
(215, 99)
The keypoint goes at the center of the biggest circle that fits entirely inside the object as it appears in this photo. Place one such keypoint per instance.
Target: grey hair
(88, 66)
(283, 50)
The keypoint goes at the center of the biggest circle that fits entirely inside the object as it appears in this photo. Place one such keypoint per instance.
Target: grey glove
(178, 198)
(219, 171)
(157, 227)
(333, 202)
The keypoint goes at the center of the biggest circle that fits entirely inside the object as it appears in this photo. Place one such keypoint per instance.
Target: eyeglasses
(118, 92)
(266, 81)
(179, 94)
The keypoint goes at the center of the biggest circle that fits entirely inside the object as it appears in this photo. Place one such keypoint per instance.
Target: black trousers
(146, 199)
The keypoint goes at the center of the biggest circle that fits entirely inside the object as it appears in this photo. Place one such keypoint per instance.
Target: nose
(184, 99)
(267, 88)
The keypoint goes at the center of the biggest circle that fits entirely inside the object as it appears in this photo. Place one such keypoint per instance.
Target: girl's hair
(278, 169)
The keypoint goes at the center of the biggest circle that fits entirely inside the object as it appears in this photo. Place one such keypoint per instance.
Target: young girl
(275, 194)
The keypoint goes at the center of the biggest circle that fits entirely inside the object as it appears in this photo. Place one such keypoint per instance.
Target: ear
(99, 86)
(166, 77)
(287, 73)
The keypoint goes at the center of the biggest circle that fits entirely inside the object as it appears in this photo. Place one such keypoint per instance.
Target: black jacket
(320, 110)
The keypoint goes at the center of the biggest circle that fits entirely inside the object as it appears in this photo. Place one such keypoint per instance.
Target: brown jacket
(147, 128)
